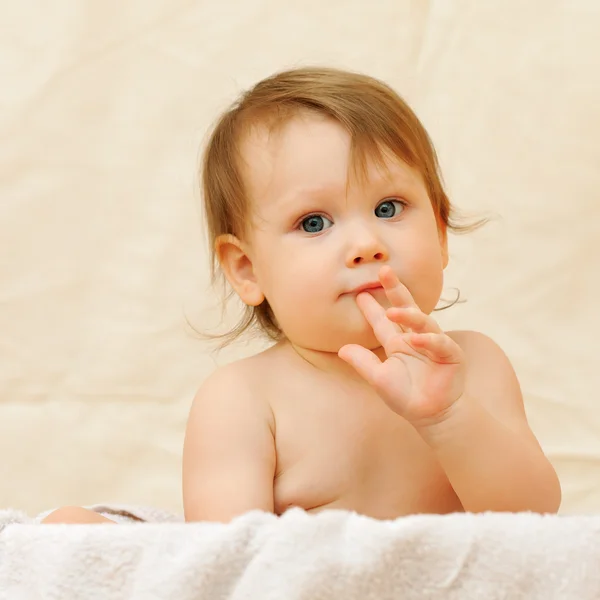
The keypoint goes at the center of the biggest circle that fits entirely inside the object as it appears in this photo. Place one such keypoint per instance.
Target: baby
(328, 218)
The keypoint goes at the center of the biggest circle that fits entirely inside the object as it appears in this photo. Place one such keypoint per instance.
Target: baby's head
(312, 181)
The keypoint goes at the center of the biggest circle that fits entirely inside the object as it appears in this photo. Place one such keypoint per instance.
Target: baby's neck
(330, 362)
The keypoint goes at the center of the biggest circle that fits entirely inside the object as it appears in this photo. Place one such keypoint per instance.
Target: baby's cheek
(430, 292)
(302, 293)
(426, 282)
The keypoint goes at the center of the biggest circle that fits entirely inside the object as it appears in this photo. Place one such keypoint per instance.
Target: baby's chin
(365, 339)
(336, 330)
(351, 327)
(360, 333)
(330, 341)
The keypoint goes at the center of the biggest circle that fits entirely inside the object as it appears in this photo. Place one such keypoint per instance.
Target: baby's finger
(414, 319)
(438, 347)
(365, 362)
(374, 313)
(397, 293)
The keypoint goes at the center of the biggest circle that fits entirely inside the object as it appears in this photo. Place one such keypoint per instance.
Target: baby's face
(317, 235)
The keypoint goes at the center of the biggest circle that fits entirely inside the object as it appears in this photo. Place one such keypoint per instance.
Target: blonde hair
(376, 118)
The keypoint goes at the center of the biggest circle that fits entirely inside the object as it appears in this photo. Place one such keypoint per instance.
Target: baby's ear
(237, 266)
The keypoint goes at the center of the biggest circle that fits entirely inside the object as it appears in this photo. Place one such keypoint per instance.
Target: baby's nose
(367, 249)
(368, 257)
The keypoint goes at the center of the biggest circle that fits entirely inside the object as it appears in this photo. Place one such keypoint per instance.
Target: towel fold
(333, 554)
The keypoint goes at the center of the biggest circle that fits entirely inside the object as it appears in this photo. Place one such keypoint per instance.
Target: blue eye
(389, 208)
(315, 223)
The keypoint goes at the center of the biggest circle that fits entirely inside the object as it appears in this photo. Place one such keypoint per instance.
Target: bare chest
(337, 448)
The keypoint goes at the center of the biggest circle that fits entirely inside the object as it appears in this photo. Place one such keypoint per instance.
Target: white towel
(332, 554)
(10, 516)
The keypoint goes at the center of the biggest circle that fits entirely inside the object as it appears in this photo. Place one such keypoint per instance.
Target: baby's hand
(424, 373)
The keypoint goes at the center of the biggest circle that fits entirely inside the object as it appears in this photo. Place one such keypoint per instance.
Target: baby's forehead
(318, 155)
(266, 139)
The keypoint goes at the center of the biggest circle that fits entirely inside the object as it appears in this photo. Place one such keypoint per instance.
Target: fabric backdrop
(104, 108)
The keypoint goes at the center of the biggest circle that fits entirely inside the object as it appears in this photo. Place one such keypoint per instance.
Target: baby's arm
(484, 443)
(229, 453)
(461, 394)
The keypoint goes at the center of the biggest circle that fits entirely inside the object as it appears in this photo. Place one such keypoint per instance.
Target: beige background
(103, 109)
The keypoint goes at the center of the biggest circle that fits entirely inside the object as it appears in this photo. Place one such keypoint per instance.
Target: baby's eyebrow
(387, 183)
(309, 195)
(394, 177)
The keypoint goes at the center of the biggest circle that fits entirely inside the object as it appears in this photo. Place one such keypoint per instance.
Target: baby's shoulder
(490, 377)
(242, 380)
(229, 401)
(469, 340)
(478, 347)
